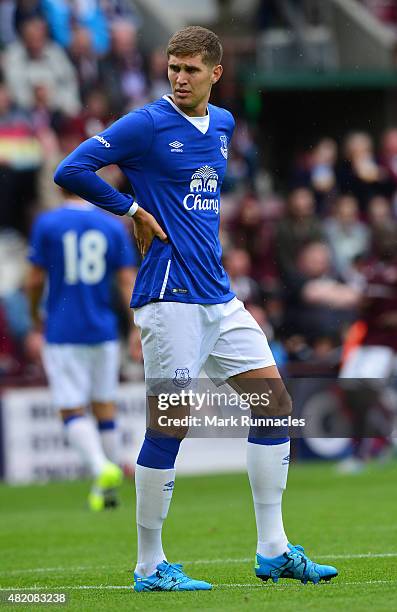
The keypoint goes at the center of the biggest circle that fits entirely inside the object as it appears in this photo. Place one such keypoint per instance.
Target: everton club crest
(182, 378)
(223, 140)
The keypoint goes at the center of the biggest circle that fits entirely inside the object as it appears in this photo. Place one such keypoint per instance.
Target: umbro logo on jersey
(176, 146)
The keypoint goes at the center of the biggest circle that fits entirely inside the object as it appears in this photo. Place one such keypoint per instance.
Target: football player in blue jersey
(77, 250)
(174, 152)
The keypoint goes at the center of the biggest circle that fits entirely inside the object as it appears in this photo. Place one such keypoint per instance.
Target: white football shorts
(370, 362)
(182, 339)
(81, 373)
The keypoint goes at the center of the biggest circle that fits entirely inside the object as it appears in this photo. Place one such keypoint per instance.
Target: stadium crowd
(69, 69)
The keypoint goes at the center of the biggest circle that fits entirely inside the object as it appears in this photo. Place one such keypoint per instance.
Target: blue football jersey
(81, 248)
(176, 172)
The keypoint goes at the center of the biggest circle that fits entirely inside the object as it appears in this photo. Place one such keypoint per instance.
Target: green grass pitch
(50, 541)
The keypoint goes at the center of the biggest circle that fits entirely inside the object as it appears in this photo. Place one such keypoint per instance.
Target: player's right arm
(124, 143)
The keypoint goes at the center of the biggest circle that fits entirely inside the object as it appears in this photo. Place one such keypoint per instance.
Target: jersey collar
(190, 119)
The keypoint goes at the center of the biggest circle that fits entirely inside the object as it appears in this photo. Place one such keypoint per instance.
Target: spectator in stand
(97, 112)
(20, 160)
(299, 227)
(248, 220)
(84, 58)
(384, 10)
(7, 22)
(16, 335)
(23, 11)
(359, 173)
(260, 315)
(43, 116)
(379, 213)
(318, 304)
(238, 267)
(388, 156)
(34, 60)
(121, 9)
(158, 82)
(9, 362)
(242, 161)
(244, 144)
(121, 73)
(376, 356)
(348, 237)
(63, 16)
(267, 14)
(379, 310)
(45, 122)
(317, 171)
(253, 230)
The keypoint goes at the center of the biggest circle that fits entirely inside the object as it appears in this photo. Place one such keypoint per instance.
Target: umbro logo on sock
(286, 460)
(169, 485)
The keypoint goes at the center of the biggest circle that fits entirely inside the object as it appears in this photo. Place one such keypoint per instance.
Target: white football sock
(111, 443)
(84, 437)
(267, 471)
(153, 497)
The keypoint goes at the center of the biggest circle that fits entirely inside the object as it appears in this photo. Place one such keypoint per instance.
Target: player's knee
(170, 427)
(68, 414)
(286, 404)
(103, 411)
(172, 422)
(280, 405)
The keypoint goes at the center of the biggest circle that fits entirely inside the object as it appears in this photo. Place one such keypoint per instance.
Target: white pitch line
(249, 585)
(75, 568)
(291, 584)
(331, 557)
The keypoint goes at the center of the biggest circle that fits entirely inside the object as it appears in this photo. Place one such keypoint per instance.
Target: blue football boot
(169, 577)
(293, 564)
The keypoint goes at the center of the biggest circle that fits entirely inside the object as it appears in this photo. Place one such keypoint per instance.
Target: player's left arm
(125, 282)
(38, 256)
(125, 264)
(34, 287)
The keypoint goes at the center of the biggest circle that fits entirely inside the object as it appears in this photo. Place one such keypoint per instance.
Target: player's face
(191, 81)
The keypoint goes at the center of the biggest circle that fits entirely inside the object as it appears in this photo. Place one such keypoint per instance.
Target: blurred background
(311, 186)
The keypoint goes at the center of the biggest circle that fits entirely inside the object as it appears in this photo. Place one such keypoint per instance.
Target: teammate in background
(77, 250)
(174, 152)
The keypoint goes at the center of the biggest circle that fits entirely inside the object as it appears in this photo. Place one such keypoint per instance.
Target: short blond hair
(195, 40)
